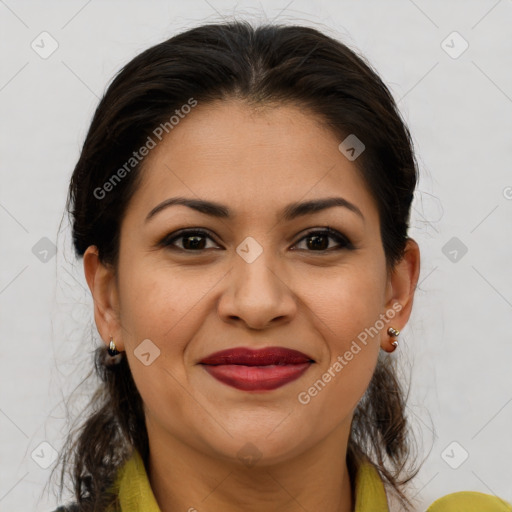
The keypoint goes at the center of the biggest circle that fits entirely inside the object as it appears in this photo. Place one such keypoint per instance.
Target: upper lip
(257, 357)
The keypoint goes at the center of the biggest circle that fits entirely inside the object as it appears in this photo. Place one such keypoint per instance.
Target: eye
(318, 241)
(192, 240)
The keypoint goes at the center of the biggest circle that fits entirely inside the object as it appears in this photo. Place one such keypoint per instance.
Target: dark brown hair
(262, 65)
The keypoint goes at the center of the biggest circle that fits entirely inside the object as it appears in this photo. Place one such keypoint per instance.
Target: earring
(112, 348)
(114, 356)
(393, 332)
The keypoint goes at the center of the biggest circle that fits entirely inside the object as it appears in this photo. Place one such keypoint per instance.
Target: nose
(258, 295)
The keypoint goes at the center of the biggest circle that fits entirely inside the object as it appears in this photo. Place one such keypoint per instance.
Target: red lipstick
(257, 370)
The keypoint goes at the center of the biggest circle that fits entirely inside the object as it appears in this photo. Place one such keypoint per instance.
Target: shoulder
(469, 501)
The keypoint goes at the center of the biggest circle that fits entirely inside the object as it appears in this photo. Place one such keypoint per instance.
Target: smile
(257, 370)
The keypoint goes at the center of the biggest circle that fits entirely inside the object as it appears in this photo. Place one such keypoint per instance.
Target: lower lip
(256, 378)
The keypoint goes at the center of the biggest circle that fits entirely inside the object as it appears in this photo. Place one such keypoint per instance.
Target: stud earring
(393, 332)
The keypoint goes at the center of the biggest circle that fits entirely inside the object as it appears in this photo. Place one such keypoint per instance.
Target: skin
(191, 304)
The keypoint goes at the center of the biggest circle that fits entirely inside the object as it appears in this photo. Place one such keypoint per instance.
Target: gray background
(457, 345)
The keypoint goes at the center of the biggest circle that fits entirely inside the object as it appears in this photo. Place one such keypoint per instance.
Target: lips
(260, 357)
(256, 370)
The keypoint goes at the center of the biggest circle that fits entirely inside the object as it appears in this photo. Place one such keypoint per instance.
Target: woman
(241, 205)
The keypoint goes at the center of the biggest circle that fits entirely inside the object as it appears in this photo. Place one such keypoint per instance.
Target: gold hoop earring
(114, 356)
(112, 351)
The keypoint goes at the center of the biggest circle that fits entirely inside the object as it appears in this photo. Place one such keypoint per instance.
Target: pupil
(196, 243)
(315, 244)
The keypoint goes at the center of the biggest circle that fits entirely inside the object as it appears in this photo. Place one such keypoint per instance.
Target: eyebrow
(288, 213)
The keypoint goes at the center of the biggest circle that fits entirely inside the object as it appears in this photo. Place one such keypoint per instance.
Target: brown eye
(318, 241)
(192, 240)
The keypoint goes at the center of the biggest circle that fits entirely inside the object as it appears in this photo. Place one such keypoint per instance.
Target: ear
(102, 283)
(401, 285)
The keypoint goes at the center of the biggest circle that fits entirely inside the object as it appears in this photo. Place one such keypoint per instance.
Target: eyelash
(169, 240)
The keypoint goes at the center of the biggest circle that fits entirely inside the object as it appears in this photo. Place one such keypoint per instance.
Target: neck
(183, 478)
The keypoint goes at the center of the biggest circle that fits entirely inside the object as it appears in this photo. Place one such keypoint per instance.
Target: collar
(135, 493)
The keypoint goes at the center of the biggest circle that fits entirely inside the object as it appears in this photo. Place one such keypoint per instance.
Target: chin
(259, 448)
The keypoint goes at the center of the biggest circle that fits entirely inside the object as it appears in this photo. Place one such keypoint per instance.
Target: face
(260, 274)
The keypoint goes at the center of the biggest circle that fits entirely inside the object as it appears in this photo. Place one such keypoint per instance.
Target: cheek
(346, 309)
(165, 306)
(346, 301)
(162, 302)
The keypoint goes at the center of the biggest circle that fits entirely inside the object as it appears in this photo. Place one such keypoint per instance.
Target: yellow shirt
(135, 493)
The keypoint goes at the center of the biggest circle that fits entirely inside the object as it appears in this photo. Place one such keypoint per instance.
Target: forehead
(253, 159)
